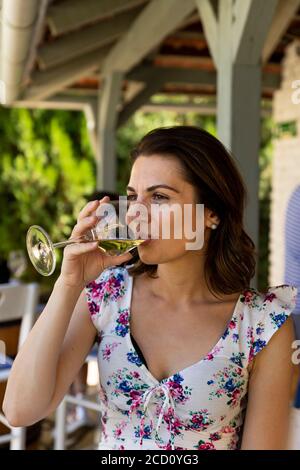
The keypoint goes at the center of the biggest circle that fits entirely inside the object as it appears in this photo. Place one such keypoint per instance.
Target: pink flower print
(122, 326)
(269, 297)
(110, 285)
(135, 374)
(227, 429)
(250, 332)
(102, 395)
(175, 389)
(205, 446)
(119, 429)
(210, 356)
(136, 400)
(108, 349)
(177, 424)
(135, 396)
(168, 415)
(200, 420)
(123, 317)
(248, 296)
(232, 325)
(235, 396)
(118, 432)
(251, 353)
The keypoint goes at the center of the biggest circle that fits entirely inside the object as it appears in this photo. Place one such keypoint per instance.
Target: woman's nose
(138, 209)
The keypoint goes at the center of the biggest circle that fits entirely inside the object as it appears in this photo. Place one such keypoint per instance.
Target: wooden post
(238, 116)
(242, 27)
(107, 121)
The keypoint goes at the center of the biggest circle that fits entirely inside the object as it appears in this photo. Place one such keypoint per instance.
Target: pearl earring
(214, 226)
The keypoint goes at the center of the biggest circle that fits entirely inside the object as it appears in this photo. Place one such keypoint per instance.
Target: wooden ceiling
(73, 32)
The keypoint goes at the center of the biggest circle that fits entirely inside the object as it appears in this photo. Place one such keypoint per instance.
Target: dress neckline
(143, 366)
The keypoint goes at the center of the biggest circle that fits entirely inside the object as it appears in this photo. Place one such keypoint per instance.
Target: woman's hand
(84, 262)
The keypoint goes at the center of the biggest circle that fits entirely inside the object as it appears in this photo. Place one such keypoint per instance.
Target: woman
(190, 356)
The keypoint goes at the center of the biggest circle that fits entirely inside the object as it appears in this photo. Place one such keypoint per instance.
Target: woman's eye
(131, 197)
(159, 197)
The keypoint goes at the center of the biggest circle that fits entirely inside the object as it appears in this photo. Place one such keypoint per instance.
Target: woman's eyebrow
(152, 188)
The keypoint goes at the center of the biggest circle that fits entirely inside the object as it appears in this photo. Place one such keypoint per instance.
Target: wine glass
(112, 231)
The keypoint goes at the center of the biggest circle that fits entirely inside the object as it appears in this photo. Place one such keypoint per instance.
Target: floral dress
(200, 407)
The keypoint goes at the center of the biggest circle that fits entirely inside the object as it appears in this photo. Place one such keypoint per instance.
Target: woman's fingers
(90, 208)
(83, 226)
(116, 260)
(80, 248)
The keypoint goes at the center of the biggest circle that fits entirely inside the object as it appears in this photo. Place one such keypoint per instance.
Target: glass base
(40, 250)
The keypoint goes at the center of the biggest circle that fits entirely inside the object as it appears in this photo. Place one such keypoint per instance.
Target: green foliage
(265, 166)
(46, 167)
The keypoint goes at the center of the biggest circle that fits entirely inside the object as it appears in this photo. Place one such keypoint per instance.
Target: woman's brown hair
(207, 165)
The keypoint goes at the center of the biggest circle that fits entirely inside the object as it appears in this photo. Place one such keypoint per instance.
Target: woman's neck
(182, 281)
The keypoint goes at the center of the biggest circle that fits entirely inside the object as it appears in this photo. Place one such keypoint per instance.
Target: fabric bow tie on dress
(168, 402)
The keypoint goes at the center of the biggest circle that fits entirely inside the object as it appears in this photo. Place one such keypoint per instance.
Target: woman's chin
(148, 256)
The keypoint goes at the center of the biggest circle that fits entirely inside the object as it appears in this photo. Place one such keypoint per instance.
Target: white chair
(17, 302)
(61, 430)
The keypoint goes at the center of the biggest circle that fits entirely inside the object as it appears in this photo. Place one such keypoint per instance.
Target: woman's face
(156, 182)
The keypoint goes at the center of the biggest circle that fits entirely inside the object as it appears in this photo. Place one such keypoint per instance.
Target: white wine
(118, 246)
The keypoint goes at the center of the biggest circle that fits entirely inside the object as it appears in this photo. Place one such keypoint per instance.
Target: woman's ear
(211, 218)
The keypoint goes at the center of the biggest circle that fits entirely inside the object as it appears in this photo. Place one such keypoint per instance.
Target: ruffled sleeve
(277, 305)
(108, 288)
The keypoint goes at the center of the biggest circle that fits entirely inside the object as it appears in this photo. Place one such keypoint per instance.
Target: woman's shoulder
(111, 282)
(112, 272)
(107, 292)
(265, 312)
(276, 297)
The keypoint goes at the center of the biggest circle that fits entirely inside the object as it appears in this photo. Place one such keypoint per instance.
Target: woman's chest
(216, 382)
(205, 394)
(171, 340)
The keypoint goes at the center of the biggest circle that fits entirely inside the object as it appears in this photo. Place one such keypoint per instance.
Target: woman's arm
(50, 358)
(60, 340)
(268, 411)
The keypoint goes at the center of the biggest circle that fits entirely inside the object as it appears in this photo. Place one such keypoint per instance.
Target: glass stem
(70, 242)
(89, 237)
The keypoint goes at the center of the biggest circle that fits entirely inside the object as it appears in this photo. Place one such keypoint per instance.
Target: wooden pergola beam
(200, 63)
(209, 20)
(48, 83)
(152, 87)
(205, 109)
(180, 75)
(77, 43)
(45, 84)
(155, 22)
(143, 73)
(73, 14)
(285, 11)
(60, 101)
